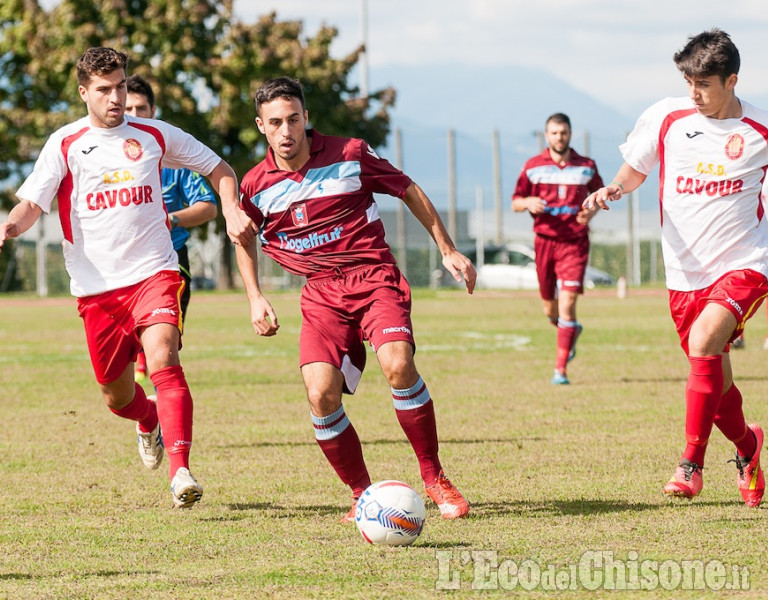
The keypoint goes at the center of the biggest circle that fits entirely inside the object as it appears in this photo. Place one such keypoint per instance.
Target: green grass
(551, 473)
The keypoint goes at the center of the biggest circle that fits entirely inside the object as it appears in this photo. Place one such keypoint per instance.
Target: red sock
(730, 420)
(702, 398)
(174, 408)
(565, 337)
(141, 362)
(421, 430)
(338, 440)
(139, 409)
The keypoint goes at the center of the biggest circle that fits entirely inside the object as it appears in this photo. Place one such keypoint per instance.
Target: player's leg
(545, 271)
(183, 254)
(334, 433)
(416, 414)
(568, 329)
(570, 265)
(106, 319)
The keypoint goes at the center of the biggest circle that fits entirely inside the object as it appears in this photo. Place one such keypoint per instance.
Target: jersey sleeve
(641, 150)
(50, 170)
(249, 207)
(195, 188)
(378, 175)
(596, 182)
(523, 185)
(184, 151)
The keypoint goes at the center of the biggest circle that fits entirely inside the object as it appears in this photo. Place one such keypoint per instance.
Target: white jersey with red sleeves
(107, 182)
(323, 216)
(711, 175)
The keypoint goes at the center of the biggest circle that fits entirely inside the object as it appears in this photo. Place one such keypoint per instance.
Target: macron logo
(401, 329)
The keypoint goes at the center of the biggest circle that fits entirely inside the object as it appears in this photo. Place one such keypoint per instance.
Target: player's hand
(240, 229)
(585, 215)
(460, 267)
(535, 205)
(601, 198)
(263, 317)
(7, 231)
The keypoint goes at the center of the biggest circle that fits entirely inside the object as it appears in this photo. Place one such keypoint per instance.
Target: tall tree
(204, 64)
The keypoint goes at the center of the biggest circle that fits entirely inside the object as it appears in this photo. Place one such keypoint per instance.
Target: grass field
(557, 477)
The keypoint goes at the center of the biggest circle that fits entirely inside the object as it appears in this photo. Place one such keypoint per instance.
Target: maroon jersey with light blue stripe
(323, 216)
(563, 188)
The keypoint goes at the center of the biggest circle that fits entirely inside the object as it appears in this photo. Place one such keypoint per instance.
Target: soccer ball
(390, 513)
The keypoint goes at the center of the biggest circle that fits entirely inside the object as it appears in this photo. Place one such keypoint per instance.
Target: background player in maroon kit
(119, 254)
(312, 199)
(552, 186)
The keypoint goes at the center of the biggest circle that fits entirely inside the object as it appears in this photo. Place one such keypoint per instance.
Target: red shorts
(340, 311)
(741, 292)
(113, 320)
(563, 261)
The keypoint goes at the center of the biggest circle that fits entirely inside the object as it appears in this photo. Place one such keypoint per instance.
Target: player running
(104, 169)
(312, 200)
(551, 187)
(712, 148)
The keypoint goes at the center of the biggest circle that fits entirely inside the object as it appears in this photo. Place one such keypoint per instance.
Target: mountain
(475, 101)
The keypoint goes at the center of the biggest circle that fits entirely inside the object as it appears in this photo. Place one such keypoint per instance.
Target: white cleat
(186, 491)
(151, 447)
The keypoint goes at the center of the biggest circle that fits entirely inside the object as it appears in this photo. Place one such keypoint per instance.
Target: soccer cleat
(572, 353)
(739, 343)
(151, 447)
(750, 479)
(559, 378)
(448, 499)
(186, 491)
(686, 482)
(350, 516)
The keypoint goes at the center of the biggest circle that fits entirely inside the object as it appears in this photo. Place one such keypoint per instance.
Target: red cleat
(686, 482)
(448, 499)
(750, 479)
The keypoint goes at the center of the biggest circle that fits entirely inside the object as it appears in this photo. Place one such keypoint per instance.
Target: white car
(513, 267)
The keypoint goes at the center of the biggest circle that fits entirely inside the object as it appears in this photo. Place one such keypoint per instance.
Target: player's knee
(322, 402)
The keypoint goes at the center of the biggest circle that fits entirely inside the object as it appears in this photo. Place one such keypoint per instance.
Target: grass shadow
(385, 441)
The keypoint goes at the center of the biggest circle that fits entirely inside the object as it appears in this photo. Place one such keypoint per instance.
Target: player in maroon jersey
(312, 201)
(551, 187)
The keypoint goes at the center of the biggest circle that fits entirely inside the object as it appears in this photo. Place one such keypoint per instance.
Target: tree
(204, 64)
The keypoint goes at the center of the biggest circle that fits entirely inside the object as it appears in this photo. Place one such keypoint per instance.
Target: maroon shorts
(340, 311)
(563, 261)
(741, 292)
(114, 320)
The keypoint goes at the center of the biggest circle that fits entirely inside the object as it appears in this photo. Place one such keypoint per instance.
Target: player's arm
(626, 180)
(21, 218)
(263, 317)
(198, 200)
(533, 204)
(240, 228)
(457, 264)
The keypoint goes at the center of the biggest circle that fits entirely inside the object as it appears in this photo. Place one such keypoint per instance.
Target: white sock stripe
(414, 397)
(330, 426)
(567, 324)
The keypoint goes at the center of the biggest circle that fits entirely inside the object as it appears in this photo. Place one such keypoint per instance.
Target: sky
(614, 50)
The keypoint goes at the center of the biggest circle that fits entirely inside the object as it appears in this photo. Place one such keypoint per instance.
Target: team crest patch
(299, 215)
(734, 147)
(132, 149)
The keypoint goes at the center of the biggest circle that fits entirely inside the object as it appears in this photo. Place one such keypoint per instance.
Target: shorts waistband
(338, 272)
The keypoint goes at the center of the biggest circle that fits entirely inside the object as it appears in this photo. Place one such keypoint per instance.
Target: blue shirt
(182, 188)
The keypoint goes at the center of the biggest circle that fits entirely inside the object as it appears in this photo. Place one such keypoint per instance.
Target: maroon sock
(338, 440)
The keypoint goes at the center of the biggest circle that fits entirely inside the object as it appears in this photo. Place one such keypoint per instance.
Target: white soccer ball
(390, 513)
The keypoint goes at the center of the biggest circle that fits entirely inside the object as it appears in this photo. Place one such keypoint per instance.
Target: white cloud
(618, 51)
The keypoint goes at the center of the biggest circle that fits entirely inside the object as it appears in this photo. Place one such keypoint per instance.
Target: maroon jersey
(323, 216)
(563, 188)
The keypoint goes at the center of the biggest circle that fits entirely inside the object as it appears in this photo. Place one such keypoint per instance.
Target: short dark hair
(560, 118)
(709, 53)
(99, 61)
(136, 84)
(280, 87)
